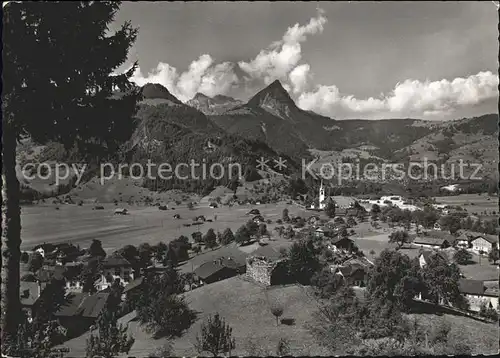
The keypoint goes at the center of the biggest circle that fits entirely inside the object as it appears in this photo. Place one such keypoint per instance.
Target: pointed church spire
(321, 196)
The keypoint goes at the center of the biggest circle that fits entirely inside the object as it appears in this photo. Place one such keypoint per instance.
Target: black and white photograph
(219, 179)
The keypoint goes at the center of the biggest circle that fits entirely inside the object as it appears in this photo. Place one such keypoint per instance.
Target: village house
(435, 240)
(347, 212)
(72, 276)
(115, 267)
(81, 312)
(258, 219)
(340, 243)
(254, 212)
(482, 242)
(134, 286)
(437, 226)
(353, 271)
(462, 241)
(219, 269)
(74, 285)
(424, 256)
(41, 251)
(121, 211)
(50, 272)
(476, 241)
(323, 232)
(477, 294)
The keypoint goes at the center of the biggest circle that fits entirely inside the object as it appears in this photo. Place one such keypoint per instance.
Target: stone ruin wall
(260, 270)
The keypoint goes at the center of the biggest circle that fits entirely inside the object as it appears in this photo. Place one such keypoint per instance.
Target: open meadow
(245, 307)
(473, 203)
(80, 224)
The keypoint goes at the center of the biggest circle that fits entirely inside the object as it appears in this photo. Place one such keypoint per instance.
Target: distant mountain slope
(272, 116)
(155, 91)
(270, 125)
(176, 133)
(213, 105)
(471, 140)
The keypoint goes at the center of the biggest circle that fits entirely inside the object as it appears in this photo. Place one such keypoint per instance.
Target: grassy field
(474, 203)
(481, 269)
(81, 224)
(482, 337)
(245, 307)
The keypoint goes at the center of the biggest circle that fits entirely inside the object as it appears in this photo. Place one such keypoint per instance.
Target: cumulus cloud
(409, 97)
(281, 57)
(282, 60)
(278, 61)
(299, 77)
(202, 76)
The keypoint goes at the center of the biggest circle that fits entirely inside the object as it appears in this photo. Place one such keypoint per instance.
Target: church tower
(321, 196)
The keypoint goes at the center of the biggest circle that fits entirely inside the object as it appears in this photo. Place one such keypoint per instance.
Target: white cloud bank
(282, 57)
(409, 97)
(202, 76)
(278, 61)
(281, 60)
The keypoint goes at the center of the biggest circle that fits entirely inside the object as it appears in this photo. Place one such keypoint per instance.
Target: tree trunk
(11, 239)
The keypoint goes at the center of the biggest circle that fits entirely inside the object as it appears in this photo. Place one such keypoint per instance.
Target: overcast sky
(431, 60)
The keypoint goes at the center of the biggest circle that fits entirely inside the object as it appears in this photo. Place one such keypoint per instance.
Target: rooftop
(133, 284)
(269, 252)
(115, 260)
(47, 273)
(84, 305)
(430, 241)
(209, 268)
(338, 239)
(471, 287)
(474, 234)
(427, 254)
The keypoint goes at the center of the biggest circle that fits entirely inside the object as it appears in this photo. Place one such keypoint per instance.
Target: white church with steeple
(322, 203)
(321, 199)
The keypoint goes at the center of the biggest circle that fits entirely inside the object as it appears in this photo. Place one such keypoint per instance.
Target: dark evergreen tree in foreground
(215, 337)
(57, 61)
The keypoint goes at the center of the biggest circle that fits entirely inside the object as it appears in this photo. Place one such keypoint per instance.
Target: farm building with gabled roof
(81, 311)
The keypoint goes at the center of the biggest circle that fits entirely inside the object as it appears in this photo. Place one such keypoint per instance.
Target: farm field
(234, 299)
(474, 203)
(80, 224)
